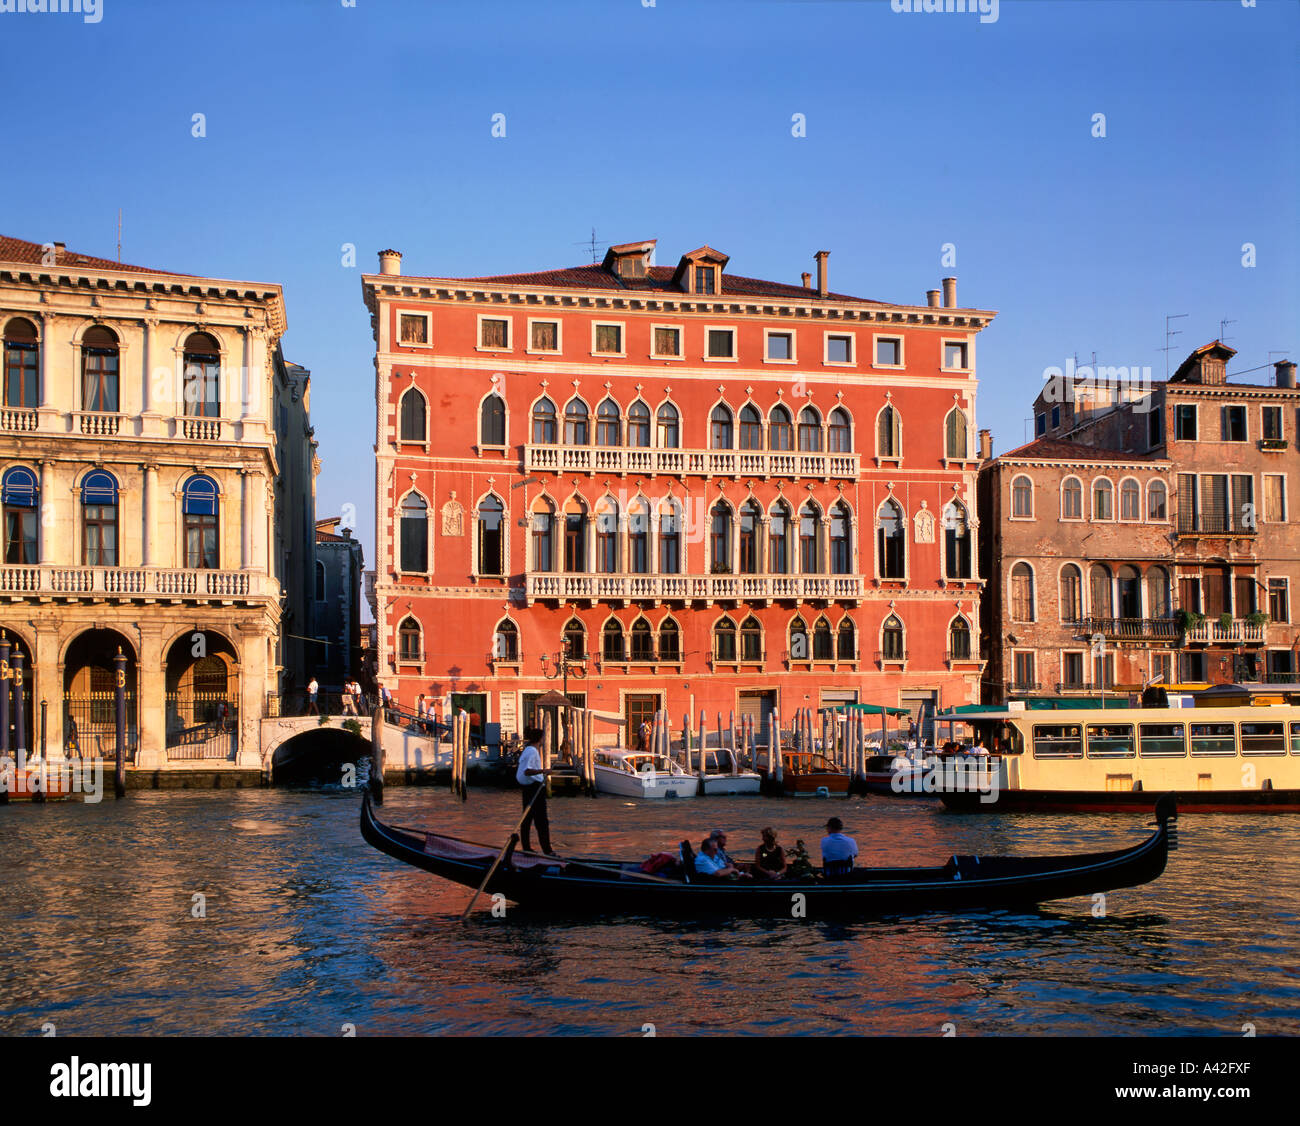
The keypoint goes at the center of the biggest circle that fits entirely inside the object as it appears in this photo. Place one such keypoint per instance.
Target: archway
(317, 756)
(18, 647)
(90, 695)
(202, 697)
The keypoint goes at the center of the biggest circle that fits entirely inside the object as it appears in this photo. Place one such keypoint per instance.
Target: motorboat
(723, 774)
(640, 774)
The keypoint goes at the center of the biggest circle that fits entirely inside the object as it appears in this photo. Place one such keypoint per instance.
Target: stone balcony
(1237, 633)
(703, 589)
(699, 463)
(1131, 629)
(48, 583)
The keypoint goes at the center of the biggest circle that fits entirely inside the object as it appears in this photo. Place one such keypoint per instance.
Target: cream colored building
(157, 468)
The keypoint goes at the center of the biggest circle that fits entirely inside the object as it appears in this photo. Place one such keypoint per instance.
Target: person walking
(532, 778)
(349, 699)
(312, 689)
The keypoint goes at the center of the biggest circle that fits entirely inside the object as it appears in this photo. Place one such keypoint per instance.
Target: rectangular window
(1058, 740)
(1275, 498)
(494, 333)
(1245, 600)
(1072, 670)
(780, 346)
(889, 351)
(1193, 668)
(1185, 422)
(722, 344)
(1162, 665)
(1056, 417)
(1155, 427)
(1040, 425)
(1213, 739)
(1279, 601)
(954, 355)
(1271, 431)
(544, 336)
(704, 279)
(1163, 740)
(1263, 739)
(1103, 670)
(415, 328)
(839, 349)
(667, 341)
(1234, 424)
(1024, 670)
(1110, 740)
(609, 338)
(1243, 501)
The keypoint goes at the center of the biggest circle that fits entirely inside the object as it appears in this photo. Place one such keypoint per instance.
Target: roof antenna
(1223, 328)
(593, 246)
(1169, 338)
(119, 236)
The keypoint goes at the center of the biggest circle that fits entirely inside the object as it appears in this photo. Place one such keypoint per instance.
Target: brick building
(1167, 504)
(715, 492)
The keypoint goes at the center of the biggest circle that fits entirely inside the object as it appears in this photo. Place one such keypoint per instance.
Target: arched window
(841, 544)
(1022, 497)
(543, 534)
(720, 538)
(491, 524)
(1099, 591)
(21, 364)
(670, 539)
(889, 434)
(958, 640)
(891, 639)
(544, 429)
(199, 506)
(638, 536)
(780, 431)
(750, 518)
(1157, 501)
(720, 428)
(492, 421)
(956, 436)
(575, 640)
(846, 641)
(643, 642)
(414, 552)
(751, 428)
(607, 536)
(724, 640)
(1022, 593)
(1071, 594)
(609, 426)
(1072, 499)
(99, 369)
(751, 640)
(778, 539)
(840, 433)
(21, 504)
(1103, 499)
(823, 642)
(810, 561)
(202, 367)
(410, 645)
(576, 430)
(320, 581)
(956, 541)
(611, 641)
(891, 548)
(638, 425)
(99, 519)
(1130, 592)
(800, 643)
(505, 641)
(575, 536)
(414, 418)
(810, 430)
(1159, 593)
(670, 641)
(669, 428)
(1130, 500)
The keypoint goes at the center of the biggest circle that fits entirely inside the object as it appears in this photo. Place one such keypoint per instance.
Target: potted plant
(1225, 621)
(720, 568)
(1187, 620)
(1258, 618)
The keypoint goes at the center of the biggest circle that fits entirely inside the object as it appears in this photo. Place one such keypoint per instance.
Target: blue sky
(371, 125)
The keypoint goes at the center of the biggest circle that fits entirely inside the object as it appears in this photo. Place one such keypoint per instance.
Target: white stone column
(148, 504)
(44, 329)
(246, 519)
(47, 497)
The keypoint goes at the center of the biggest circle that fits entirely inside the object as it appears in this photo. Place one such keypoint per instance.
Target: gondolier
(532, 778)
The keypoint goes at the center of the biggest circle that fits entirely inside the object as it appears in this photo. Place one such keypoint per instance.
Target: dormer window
(700, 272)
(704, 279)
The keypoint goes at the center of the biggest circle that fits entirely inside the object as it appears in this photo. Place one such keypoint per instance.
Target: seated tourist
(769, 858)
(838, 850)
(720, 838)
(709, 863)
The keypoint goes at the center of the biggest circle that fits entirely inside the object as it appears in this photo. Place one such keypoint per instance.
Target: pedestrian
(532, 778)
(349, 700)
(312, 689)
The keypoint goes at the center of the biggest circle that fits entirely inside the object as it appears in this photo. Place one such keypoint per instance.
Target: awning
(868, 709)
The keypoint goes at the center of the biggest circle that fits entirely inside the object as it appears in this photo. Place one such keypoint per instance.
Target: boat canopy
(868, 709)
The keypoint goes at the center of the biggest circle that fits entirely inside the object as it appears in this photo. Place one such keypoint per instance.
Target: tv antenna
(593, 247)
(1169, 338)
(1223, 329)
(119, 236)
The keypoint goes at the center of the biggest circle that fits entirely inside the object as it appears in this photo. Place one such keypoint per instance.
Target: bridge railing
(298, 702)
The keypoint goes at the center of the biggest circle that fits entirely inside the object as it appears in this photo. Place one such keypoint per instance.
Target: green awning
(868, 709)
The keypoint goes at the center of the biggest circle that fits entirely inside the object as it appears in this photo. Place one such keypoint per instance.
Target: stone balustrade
(132, 584)
(701, 463)
(564, 587)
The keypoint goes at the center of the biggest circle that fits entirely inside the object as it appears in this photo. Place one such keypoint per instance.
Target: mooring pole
(377, 755)
(119, 691)
(5, 674)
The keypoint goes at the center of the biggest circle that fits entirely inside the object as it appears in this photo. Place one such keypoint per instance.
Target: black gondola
(610, 887)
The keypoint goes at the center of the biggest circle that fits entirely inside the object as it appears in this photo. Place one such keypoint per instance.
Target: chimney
(390, 262)
(822, 289)
(932, 296)
(807, 280)
(986, 444)
(1285, 373)
(60, 249)
(950, 293)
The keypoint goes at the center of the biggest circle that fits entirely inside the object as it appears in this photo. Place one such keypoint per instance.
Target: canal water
(307, 929)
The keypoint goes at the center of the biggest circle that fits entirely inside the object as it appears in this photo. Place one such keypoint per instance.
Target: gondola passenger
(709, 863)
(769, 857)
(839, 850)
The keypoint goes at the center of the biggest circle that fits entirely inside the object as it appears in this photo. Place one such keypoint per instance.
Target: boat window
(1110, 740)
(1213, 739)
(1262, 739)
(1295, 738)
(1057, 740)
(1163, 740)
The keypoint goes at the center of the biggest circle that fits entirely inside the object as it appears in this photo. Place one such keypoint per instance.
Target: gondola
(591, 886)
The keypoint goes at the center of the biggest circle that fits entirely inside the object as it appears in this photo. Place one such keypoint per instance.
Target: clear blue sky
(372, 125)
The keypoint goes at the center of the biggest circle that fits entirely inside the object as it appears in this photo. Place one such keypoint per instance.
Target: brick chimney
(950, 293)
(932, 298)
(390, 262)
(986, 444)
(807, 280)
(1285, 373)
(822, 284)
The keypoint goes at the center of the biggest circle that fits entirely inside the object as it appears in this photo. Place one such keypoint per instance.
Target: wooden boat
(37, 781)
(595, 886)
(639, 774)
(807, 774)
(724, 775)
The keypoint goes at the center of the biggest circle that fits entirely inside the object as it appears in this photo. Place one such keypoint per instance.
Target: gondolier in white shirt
(532, 778)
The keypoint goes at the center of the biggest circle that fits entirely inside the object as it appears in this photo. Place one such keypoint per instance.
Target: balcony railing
(692, 588)
(128, 583)
(705, 463)
(1237, 633)
(98, 422)
(1218, 524)
(201, 429)
(1135, 629)
(17, 418)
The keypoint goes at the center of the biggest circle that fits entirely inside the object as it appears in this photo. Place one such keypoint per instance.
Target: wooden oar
(513, 839)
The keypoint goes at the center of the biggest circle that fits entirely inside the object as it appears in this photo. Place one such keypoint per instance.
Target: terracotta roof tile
(32, 253)
(1057, 449)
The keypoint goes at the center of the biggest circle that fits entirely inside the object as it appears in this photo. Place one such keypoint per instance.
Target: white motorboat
(723, 775)
(638, 774)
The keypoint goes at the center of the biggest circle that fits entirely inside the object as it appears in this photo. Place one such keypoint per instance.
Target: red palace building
(676, 487)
